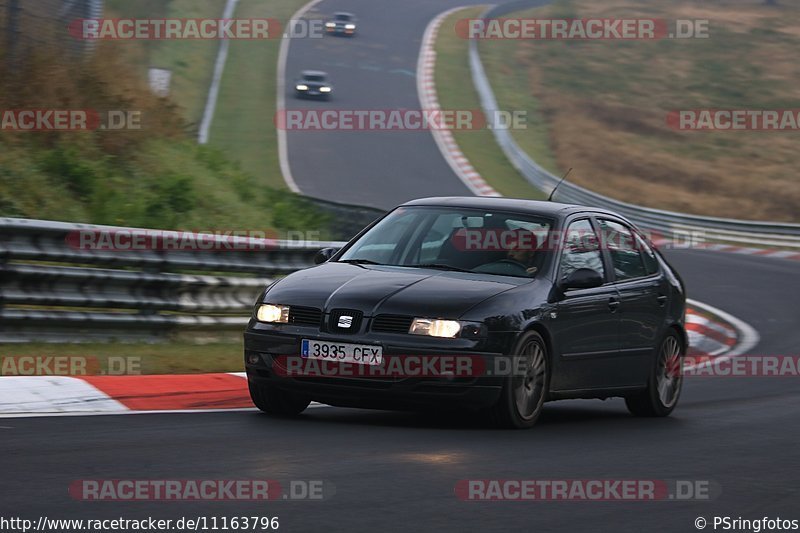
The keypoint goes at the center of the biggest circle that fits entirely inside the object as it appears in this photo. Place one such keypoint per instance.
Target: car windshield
(342, 17)
(458, 239)
(313, 77)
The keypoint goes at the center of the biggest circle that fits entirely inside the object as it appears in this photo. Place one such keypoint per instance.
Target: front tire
(665, 382)
(524, 391)
(277, 402)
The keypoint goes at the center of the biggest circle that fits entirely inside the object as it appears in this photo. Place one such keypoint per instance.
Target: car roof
(313, 73)
(534, 207)
(343, 13)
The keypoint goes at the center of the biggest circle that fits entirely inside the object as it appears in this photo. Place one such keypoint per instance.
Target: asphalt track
(397, 471)
(374, 70)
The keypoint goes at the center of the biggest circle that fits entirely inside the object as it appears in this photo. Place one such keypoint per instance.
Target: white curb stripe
(53, 394)
(699, 319)
(219, 68)
(748, 337)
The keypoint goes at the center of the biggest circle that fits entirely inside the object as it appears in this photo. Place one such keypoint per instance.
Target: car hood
(386, 289)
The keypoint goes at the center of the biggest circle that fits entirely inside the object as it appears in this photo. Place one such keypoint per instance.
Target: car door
(585, 328)
(643, 297)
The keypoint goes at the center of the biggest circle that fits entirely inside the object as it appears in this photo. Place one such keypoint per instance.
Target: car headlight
(349, 26)
(273, 313)
(324, 89)
(435, 327)
(330, 24)
(301, 87)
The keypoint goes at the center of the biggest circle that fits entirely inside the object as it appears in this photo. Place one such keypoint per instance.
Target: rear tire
(524, 391)
(664, 383)
(277, 402)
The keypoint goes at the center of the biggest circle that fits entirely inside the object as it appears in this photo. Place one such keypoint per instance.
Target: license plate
(364, 354)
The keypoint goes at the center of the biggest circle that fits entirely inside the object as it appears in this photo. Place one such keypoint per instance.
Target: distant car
(588, 309)
(341, 24)
(313, 84)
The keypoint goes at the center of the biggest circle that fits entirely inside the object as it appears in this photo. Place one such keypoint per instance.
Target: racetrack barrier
(55, 289)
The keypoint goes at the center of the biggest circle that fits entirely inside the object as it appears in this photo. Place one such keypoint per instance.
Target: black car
(544, 301)
(341, 23)
(313, 84)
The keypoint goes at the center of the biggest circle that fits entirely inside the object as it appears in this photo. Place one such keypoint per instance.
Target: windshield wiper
(440, 266)
(359, 261)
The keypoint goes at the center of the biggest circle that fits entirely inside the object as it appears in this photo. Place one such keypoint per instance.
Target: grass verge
(190, 61)
(243, 125)
(603, 105)
(171, 358)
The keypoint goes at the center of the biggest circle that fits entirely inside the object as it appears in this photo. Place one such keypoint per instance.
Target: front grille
(392, 323)
(305, 316)
(345, 320)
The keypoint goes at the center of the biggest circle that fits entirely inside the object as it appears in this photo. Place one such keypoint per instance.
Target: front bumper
(313, 94)
(269, 345)
(340, 30)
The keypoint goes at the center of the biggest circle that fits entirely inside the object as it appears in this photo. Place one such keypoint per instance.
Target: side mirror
(324, 255)
(582, 278)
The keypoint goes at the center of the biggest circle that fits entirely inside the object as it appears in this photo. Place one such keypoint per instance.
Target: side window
(581, 249)
(624, 251)
(649, 256)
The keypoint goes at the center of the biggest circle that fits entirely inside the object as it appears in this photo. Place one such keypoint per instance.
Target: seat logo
(345, 321)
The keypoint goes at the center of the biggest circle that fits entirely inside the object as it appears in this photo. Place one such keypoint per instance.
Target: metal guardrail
(53, 289)
(668, 223)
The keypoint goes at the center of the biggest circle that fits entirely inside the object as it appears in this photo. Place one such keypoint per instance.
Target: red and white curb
(426, 89)
(715, 336)
(712, 333)
(58, 395)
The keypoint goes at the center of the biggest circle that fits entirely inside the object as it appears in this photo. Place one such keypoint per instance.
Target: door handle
(662, 299)
(613, 304)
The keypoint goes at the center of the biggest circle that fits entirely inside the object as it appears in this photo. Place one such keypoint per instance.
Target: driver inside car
(519, 260)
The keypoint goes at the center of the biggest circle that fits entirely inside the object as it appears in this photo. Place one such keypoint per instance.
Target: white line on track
(219, 68)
